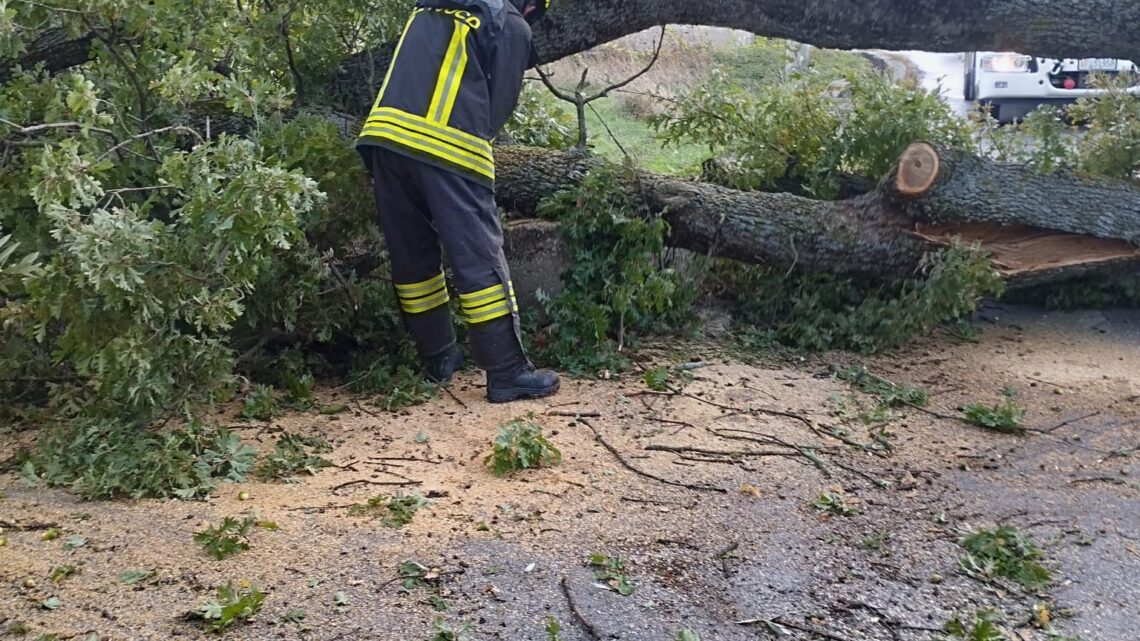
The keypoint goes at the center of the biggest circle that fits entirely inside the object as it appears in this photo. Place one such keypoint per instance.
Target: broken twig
(586, 625)
(629, 466)
(346, 484)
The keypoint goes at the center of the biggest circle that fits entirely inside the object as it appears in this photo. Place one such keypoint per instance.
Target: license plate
(1097, 64)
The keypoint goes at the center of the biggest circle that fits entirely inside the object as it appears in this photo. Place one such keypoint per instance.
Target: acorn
(243, 496)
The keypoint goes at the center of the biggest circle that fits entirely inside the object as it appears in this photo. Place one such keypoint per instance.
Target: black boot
(510, 375)
(440, 367)
(434, 335)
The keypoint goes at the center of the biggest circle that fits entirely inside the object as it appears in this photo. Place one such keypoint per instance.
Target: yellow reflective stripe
(425, 304)
(450, 75)
(432, 147)
(479, 309)
(482, 293)
(395, 55)
(473, 144)
(480, 302)
(497, 311)
(412, 290)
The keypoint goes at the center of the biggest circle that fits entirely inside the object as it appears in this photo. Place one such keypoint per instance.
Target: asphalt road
(944, 72)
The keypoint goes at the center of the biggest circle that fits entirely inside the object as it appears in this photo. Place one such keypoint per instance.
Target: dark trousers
(422, 210)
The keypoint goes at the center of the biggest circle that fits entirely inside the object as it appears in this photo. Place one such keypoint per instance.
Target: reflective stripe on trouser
(424, 296)
(422, 207)
(488, 303)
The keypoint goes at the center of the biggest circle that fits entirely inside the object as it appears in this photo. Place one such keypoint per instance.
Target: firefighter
(453, 83)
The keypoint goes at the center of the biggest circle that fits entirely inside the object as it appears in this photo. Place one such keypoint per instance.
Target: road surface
(944, 72)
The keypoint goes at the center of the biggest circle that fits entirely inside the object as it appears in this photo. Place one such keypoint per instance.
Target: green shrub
(520, 445)
(805, 134)
(541, 120)
(621, 282)
(260, 404)
(101, 459)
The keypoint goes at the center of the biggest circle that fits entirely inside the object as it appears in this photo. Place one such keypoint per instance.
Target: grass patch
(983, 625)
(639, 139)
(1007, 416)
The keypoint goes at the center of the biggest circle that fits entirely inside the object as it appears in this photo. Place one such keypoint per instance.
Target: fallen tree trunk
(878, 237)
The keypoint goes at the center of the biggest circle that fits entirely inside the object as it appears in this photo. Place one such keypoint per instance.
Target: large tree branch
(57, 49)
(1054, 28)
(879, 237)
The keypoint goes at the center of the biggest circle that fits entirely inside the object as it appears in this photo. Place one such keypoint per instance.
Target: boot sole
(521, 393)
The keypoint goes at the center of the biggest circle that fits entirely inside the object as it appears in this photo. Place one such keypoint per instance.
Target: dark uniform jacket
(453, 83)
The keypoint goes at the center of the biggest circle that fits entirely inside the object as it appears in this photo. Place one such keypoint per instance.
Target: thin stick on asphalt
(586, 625)
(1049, 430)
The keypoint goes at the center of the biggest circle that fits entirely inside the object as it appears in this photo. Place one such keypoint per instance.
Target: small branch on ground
(780, 621)
(447, 390)
(805, 451)
(682, 449)
(1054, 428)
(723, 556)
(629, 466)
(366, 481)
(636, 499)
(586, 625)
(1097, 479)
(574, 414)
(382, 459)
(682, 424)
(27, 527)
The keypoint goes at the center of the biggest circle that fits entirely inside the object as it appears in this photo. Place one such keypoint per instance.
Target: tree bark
(1051, 28)
(878, 237)
(969, 189)
(56, 49)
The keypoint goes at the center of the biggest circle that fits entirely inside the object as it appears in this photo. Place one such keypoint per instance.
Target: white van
(1013, 84)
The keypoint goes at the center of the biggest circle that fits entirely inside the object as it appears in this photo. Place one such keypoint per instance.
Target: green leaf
(131, 577)
(75, 541)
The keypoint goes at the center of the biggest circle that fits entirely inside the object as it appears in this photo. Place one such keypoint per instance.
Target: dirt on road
(742, 552)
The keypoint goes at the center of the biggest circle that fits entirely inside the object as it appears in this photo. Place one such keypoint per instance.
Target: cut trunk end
(917, 170)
